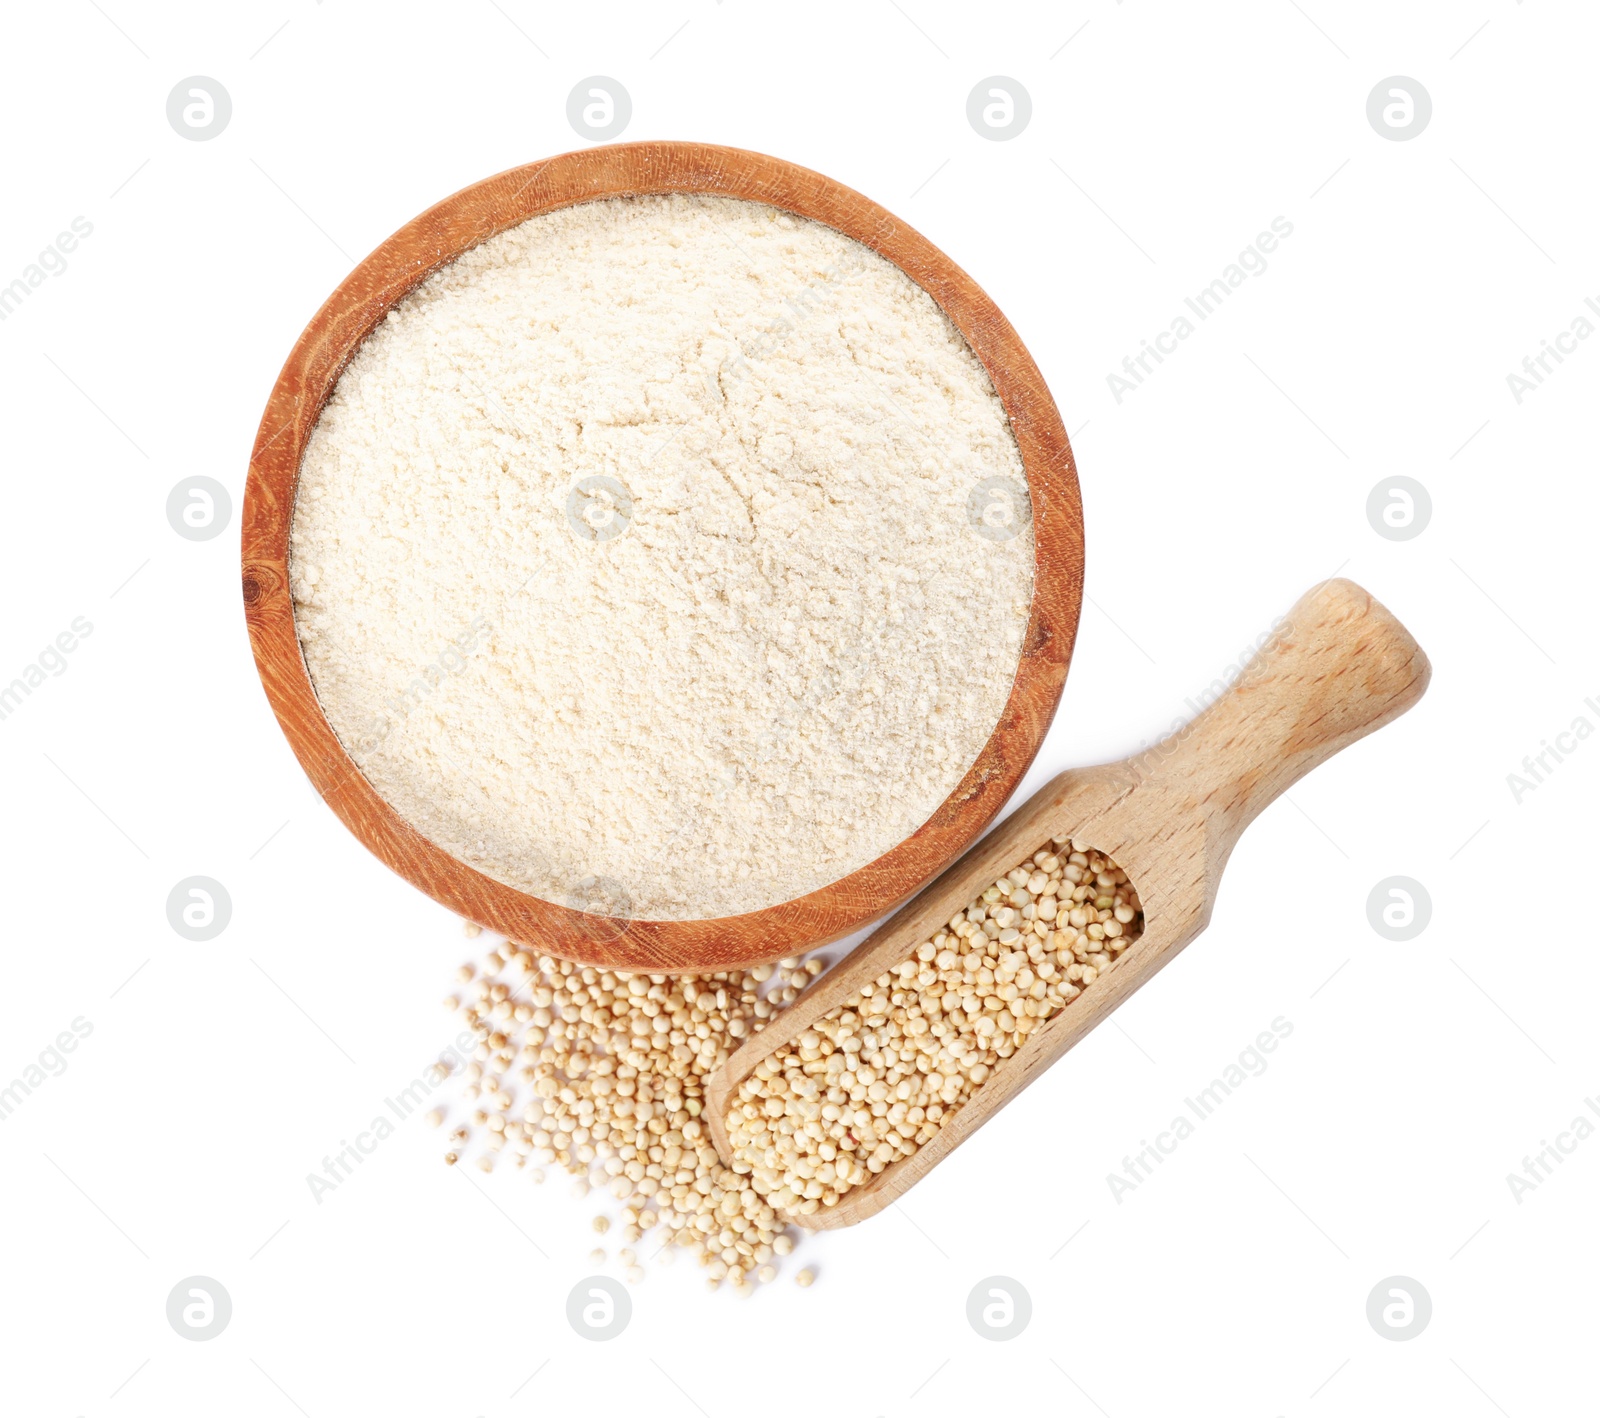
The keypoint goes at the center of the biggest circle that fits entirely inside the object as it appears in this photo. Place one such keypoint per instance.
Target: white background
(1164, 137)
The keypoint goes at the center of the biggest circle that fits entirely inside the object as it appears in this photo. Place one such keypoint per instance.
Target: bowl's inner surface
(667, 557)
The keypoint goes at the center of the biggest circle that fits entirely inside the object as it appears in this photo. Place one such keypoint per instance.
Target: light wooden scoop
(1338, 666)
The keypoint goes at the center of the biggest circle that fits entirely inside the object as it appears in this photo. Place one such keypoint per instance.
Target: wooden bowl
(435, 239)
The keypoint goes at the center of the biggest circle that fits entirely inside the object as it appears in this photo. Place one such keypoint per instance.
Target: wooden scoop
(1338, 666)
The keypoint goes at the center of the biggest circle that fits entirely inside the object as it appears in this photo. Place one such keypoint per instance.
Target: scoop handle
(1332, 670)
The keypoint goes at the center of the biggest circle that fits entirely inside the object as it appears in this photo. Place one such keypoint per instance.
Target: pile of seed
(875, 1079)
(603, 1073)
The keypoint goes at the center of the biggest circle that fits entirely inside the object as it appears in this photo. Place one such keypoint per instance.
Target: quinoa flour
(635, 558)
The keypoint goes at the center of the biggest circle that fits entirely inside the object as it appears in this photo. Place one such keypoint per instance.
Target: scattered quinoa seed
(603, 1073)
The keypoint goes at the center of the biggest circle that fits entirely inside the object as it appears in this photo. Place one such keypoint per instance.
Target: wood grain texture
(436, 238)
(1338, 666)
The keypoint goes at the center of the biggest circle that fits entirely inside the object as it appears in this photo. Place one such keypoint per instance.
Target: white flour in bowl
(664, 556)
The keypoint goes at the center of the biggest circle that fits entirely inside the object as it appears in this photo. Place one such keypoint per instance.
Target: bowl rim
(436, 238)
